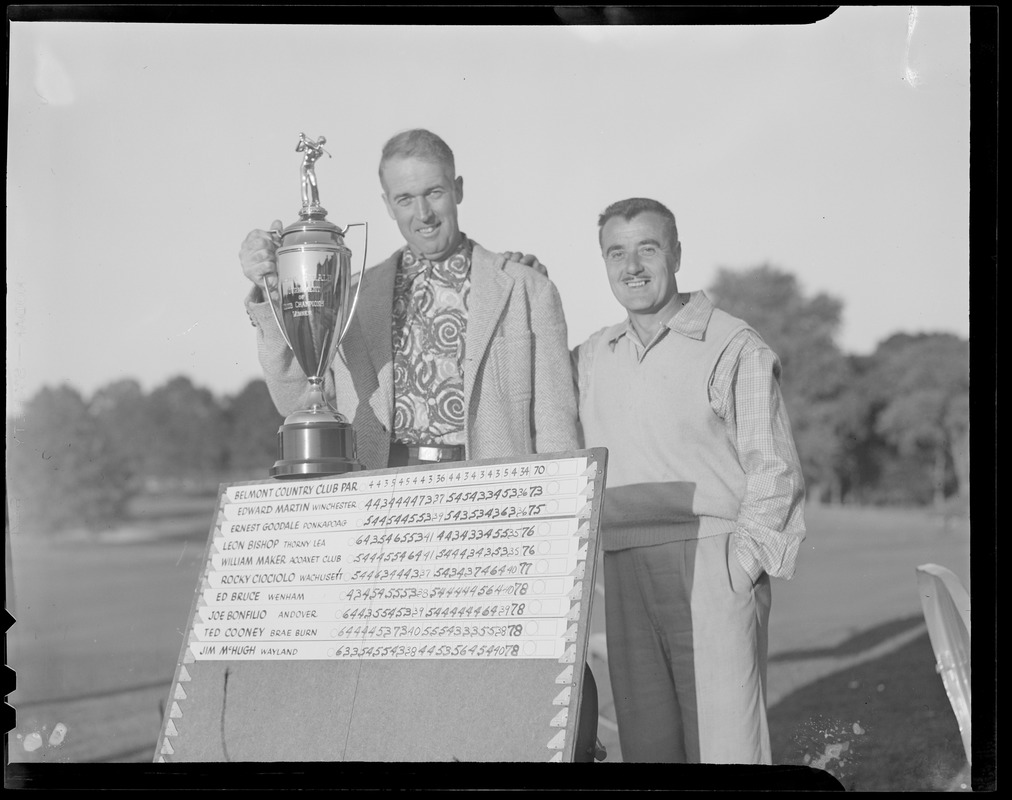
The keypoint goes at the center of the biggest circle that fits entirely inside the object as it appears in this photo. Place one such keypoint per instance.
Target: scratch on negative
(224, 700)
(911, 74)
(181, 554)
(194, 325)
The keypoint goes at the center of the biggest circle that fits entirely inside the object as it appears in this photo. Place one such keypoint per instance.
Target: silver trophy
(314, 282)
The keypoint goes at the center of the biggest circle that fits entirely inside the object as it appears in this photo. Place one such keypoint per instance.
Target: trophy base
(311, 449)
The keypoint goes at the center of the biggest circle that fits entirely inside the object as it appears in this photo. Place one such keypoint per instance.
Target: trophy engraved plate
(316, 309)
(314, 298)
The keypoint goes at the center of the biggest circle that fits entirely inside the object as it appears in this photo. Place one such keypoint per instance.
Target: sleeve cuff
(746, 557)
(256, 306)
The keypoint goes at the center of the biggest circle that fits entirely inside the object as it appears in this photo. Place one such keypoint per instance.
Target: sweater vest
(673, 472)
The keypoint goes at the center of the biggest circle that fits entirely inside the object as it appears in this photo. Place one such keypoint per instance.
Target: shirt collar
(689, 320)
(411, 264)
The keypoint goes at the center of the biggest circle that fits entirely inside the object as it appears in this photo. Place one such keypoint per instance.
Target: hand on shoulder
(527, 260)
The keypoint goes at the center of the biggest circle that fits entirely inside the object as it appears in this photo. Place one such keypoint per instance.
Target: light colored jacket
(518, 386)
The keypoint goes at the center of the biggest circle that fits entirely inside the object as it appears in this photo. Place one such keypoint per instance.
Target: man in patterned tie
(454, 352)
(704, 501)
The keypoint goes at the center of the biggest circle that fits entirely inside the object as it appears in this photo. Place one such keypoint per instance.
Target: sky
(140, 155)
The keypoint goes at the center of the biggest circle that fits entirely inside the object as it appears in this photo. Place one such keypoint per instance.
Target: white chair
(946, 607)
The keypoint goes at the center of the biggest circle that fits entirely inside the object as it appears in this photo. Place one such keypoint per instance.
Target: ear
(458, 189)
(677, 255)
(390, 208)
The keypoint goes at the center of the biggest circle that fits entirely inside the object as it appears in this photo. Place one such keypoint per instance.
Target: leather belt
(407, 454)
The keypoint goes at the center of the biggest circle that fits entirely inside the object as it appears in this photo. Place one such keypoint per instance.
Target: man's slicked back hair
(634, 206)
(418, 143)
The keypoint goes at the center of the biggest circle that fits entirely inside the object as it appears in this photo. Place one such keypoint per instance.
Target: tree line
(890, 428)
(74, 461)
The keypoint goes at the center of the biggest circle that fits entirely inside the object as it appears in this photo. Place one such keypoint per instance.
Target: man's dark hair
(633, 207)
(417, 143)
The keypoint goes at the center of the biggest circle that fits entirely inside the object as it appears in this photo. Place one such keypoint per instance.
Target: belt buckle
(427, 453)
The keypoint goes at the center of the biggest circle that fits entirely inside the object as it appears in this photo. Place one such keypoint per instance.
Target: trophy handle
(277, 319)
(361, 280)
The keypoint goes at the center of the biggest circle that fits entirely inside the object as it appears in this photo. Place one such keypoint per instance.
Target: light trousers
(687, 647)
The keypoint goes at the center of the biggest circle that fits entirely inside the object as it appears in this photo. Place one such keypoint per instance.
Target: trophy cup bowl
(316, 310)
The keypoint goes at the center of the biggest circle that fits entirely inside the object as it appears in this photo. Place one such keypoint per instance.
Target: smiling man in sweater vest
(704, 501)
